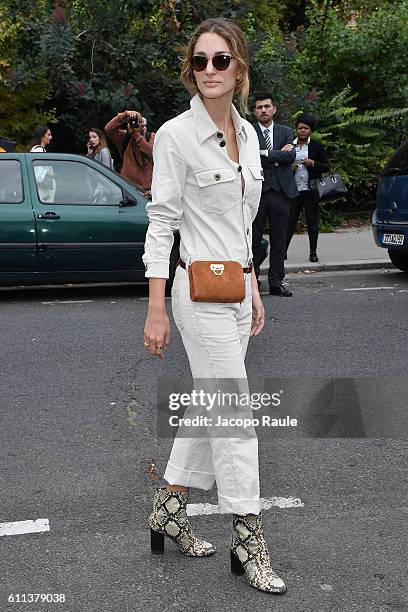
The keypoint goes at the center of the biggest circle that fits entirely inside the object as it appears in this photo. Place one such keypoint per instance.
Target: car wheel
(174, 259)
(399, 259)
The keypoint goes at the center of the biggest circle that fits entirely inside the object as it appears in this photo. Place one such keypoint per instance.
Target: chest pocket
(219, 190)
(254, 186)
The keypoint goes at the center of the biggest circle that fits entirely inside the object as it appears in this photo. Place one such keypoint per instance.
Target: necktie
(267, 139)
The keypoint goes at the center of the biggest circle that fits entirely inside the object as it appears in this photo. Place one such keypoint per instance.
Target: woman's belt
(245, 270)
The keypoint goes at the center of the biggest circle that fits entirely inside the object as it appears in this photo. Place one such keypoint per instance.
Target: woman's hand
(309, 162)
(157, 327)
(157, 332)
(258, 310)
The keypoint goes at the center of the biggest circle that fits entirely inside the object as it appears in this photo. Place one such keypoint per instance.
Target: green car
(69, 219)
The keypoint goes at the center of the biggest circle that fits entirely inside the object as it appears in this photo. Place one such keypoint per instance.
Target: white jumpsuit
(197, 190)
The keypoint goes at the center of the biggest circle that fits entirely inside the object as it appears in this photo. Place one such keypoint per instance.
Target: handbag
(217, 281)
(327, 188)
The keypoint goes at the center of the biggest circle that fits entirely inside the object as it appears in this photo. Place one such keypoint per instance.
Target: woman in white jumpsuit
(207, 182)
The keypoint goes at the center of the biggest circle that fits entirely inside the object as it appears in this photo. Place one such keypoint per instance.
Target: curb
(358, 264)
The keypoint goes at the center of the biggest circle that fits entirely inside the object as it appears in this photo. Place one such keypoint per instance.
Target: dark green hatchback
(68, 219)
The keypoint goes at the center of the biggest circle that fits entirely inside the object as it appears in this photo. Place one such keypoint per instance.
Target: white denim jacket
(197, 190)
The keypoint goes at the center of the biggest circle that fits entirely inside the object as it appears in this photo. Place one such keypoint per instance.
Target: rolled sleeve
(165, 209)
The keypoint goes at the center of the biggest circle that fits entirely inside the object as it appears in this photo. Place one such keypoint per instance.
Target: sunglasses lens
(198, 63)
(221, 62)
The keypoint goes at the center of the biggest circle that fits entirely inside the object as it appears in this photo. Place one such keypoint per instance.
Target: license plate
(397, 239)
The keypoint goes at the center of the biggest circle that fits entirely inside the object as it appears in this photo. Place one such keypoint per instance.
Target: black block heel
(236, 565)
(156, 542)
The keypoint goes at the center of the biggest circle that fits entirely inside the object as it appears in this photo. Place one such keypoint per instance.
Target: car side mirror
(127, 201)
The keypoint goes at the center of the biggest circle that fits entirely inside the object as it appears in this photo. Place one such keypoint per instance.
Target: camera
(133, 122)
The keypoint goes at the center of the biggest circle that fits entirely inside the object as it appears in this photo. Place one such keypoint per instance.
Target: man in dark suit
(278, 191)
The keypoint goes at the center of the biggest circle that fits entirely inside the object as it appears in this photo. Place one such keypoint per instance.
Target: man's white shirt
(263, 128)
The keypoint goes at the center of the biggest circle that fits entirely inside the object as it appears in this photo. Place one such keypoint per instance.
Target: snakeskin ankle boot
(249, 554)
(169, 518)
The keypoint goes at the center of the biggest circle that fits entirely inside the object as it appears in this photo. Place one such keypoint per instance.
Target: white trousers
(215, 337)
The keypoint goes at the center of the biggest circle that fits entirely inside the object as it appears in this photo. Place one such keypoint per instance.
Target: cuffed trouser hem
(186, 478)
(233, 505)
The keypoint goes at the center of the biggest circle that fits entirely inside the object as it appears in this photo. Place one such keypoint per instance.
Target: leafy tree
(366, 51)
(355, 140)
(275, 69)
(23, 95)
(100, 57)
(88, 59)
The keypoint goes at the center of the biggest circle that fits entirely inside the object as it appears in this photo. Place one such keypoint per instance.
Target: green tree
(360, 49)
(23, 95)
(356, 140)
(89, 59)
(100, 57)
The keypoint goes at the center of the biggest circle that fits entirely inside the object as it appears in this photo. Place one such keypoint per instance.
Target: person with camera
(129, 135)
(98, 148)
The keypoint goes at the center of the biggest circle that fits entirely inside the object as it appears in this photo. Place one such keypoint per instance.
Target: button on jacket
(197, 190)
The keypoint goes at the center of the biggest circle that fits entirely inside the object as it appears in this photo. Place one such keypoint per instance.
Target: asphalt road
(78, 447)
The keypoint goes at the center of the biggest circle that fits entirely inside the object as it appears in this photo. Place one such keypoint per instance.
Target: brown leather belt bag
(216, 281)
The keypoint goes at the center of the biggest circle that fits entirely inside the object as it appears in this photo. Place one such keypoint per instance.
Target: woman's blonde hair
(237, 43)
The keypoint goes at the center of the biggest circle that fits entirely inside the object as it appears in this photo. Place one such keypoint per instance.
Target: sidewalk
(351, 249)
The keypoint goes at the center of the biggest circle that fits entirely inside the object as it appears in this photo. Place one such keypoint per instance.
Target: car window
(11, 185)
(74, 183)
(398, 164)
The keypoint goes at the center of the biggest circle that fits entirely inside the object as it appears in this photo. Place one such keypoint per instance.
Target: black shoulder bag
(327, 188)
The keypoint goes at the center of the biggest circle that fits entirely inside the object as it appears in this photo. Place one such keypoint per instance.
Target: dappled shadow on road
(62, 293)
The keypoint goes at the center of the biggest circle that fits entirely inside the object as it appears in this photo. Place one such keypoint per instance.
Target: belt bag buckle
(216, 281)
(217, 268)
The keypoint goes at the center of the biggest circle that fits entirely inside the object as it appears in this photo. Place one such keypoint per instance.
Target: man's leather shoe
(313, 257)
(280, 291)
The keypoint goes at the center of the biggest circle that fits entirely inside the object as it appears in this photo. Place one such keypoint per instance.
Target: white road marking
(18, 527)
(281, 502)
(367, 288)
(68, 302)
